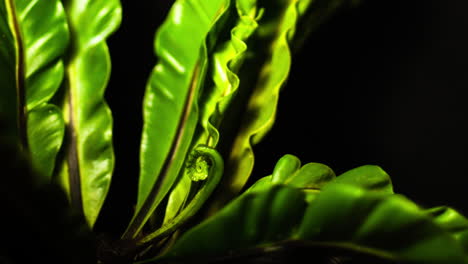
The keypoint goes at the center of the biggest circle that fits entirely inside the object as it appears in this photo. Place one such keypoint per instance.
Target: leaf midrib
(142, 215)
(74, 175)
(19, 76)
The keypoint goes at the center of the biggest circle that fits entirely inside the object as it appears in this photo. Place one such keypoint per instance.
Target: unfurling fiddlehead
(204, 164)
(199, 164)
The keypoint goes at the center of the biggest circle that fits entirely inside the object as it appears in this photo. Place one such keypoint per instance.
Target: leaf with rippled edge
(270, 64)
(343, 218)
(225, 62)
(268, 70)
(170, 111)
(89, 158)
(221, 84)
(39, 36)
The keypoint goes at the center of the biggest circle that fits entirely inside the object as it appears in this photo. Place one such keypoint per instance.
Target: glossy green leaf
(312, 177)
(241, 224)
(390, 226)
(368, 176)
(35, 36)
(44, 42)
(170, 111)
(284, 168)
(46, 129)
(343, 216)
(355, 212)
(288, 171)
(87, 168)
(178, 197)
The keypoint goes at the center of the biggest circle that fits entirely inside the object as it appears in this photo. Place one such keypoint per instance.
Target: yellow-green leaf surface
(275, 210)
(36, 35)
(170, 111)
(221, 86)
(274, 32)
(87, 168)
(46, 129)
(453, 222)
(312, 177)
(368, 176)
(225, 62)
(288, 171)
(343, 218)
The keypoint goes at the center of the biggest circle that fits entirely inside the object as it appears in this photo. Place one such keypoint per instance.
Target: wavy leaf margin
(87, 167)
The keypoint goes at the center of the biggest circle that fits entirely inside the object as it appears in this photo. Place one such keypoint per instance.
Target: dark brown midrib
(137, 221)
(22, 110)
(72, 158)
(71, 148)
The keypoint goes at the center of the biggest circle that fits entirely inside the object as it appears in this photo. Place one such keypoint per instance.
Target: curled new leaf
(213, 170)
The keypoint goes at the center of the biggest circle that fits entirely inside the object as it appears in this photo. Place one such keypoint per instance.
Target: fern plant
(211, 96)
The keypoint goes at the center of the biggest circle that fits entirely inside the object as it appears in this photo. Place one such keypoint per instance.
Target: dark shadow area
(382, 84)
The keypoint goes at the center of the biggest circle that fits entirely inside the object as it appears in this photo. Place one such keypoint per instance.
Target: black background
(383, 83)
